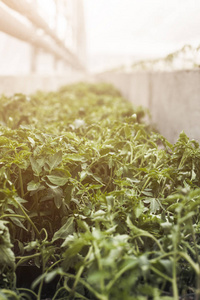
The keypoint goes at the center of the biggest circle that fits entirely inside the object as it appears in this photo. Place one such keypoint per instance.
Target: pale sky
(141, 27)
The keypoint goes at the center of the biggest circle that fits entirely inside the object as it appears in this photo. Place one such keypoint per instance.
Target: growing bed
(94, 203)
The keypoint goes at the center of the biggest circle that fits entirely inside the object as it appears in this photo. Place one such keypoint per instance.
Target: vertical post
(80, 31)
(33, 63)
(55, 63)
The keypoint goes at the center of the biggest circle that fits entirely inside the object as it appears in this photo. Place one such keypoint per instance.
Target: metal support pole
(12, 26)
(29, 11)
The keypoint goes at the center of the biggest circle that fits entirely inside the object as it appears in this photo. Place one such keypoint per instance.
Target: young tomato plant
(93, 203)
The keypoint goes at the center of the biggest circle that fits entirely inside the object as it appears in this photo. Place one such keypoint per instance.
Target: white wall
(15, 56)
(173, 98)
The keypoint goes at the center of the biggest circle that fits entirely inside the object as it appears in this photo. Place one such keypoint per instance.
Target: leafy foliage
(93, 197)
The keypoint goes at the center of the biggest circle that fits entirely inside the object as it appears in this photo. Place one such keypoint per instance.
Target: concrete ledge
(31, 83)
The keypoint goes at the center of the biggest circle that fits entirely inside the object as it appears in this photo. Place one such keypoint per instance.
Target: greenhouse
(99, 150)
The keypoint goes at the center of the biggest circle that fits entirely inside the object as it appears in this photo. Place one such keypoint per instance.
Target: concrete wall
(29, 84)
(173, 98)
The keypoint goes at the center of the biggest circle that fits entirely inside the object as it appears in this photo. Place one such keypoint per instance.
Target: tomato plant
(95, 201)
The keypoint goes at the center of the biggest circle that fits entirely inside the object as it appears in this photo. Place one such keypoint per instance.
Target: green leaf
(18, 223)
(167, 264)
(55, 160)
(110, 200)
(7, 257)
(139, 209)
(194, 175)
(83, 174)
(3, 295)
(57, 180)
(173, 206)
(51, 275)
(4, 140)
(65, 230)
(74, 247)
(134, 229)
(33, 186)
(35, 166)
(55, 193)
(154, 204)
(58, 195)
(31, 141)
(147, 193)
(33, 245)
(19, 199)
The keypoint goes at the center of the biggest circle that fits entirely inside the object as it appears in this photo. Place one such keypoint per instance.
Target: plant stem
(161, 274)
(174, 260)
(119, 274)
(37, 207)
(98, 257)
(27, 217)
(24, 258)
(197, 296)
(21, 183)
(109, 181)
(147, 234)
(12, 216)
(11, 293)
(174, 279)
(89, 287)
(145, 184)
(39, 296)
(27, 290)
(80, 271)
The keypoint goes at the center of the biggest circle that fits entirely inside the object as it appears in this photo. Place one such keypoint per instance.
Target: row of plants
(94, 203)
(185, 58)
